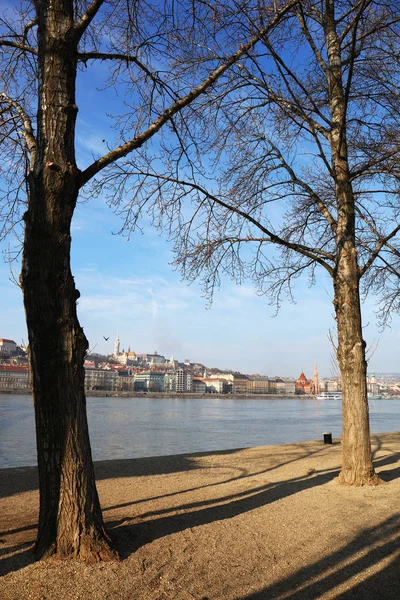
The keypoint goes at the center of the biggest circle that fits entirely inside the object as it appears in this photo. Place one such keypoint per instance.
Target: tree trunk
(357, 468)
(70, 519)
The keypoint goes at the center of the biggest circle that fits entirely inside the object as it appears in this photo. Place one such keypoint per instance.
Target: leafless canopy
(253, 161)
(141, 43)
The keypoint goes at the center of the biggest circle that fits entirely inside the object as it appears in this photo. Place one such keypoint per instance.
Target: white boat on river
(330, 396)
(338, 396)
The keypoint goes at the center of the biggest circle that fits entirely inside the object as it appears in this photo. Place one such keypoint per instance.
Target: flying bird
(106, 338)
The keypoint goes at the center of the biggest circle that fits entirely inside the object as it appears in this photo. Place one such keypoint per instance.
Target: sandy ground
(252, 524)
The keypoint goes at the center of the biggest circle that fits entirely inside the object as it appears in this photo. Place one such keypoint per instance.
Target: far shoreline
(194, 395)
(188, 395)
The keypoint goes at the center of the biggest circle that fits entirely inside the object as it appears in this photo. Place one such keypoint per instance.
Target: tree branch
(177, 106)
(364, 169)
(128, 58)
(87, 18)
(315, 254)
(308, 36)
(27, 28)
(316, 199)
(382, 241)
(19, 46)
(353, 52)
(27, 123)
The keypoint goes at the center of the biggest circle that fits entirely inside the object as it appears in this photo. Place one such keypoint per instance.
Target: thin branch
(364, 169)
(382, 241)
(315, 254)
(87, 18)
(177, 106)
(316, 199)
(27, 123)
(353, 53)
(28, 27)
(19, 46)
(128, 58)
(308, 36)
(359, 7)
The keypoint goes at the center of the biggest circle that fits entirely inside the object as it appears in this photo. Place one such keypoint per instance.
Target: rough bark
(70, 520)
(357, 468)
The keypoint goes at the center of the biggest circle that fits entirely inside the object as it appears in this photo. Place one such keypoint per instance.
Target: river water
(138, 427)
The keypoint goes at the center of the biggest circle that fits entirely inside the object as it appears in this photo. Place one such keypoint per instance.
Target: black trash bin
(327, 437)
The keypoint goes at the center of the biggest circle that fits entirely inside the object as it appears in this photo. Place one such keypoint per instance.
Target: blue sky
(129, 287)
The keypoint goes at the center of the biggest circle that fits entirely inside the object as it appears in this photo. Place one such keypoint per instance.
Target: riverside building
(15, 378)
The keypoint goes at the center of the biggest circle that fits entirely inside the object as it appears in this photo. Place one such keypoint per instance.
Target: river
(138, 427)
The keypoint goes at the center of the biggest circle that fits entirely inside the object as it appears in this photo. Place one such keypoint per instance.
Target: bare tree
(302, 164)
(43, 44)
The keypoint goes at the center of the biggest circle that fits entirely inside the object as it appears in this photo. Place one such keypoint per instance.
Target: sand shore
(252, 524)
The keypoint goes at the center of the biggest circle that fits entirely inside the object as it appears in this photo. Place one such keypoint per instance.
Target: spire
(316, 380)
(116, 346)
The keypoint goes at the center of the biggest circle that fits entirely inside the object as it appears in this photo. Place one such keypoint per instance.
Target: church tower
(316, 380)
(116, 346)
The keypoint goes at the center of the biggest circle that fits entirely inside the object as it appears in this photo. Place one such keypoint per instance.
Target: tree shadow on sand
(131, 536)
(303, 452)
(14, 558)
(25, 479)
(346, 567)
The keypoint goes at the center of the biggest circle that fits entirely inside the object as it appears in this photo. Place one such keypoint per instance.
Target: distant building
(149, 381)
(238, 381)
(170, 381)
(101, 379)
(89, 364)
(14, 378)
(217, 386)
(373, 386)
(374, 389)
(184, 381)
(156, 359)
(227, 376)
(303, 385)
(7, 346)
(258, 384)
(280, 385)
(329, 385)
(273, 385)
(150, 359)
(290, 386)
(126, 381)
(199, 386)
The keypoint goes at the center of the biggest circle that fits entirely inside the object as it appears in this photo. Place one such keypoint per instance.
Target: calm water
(137, 427)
